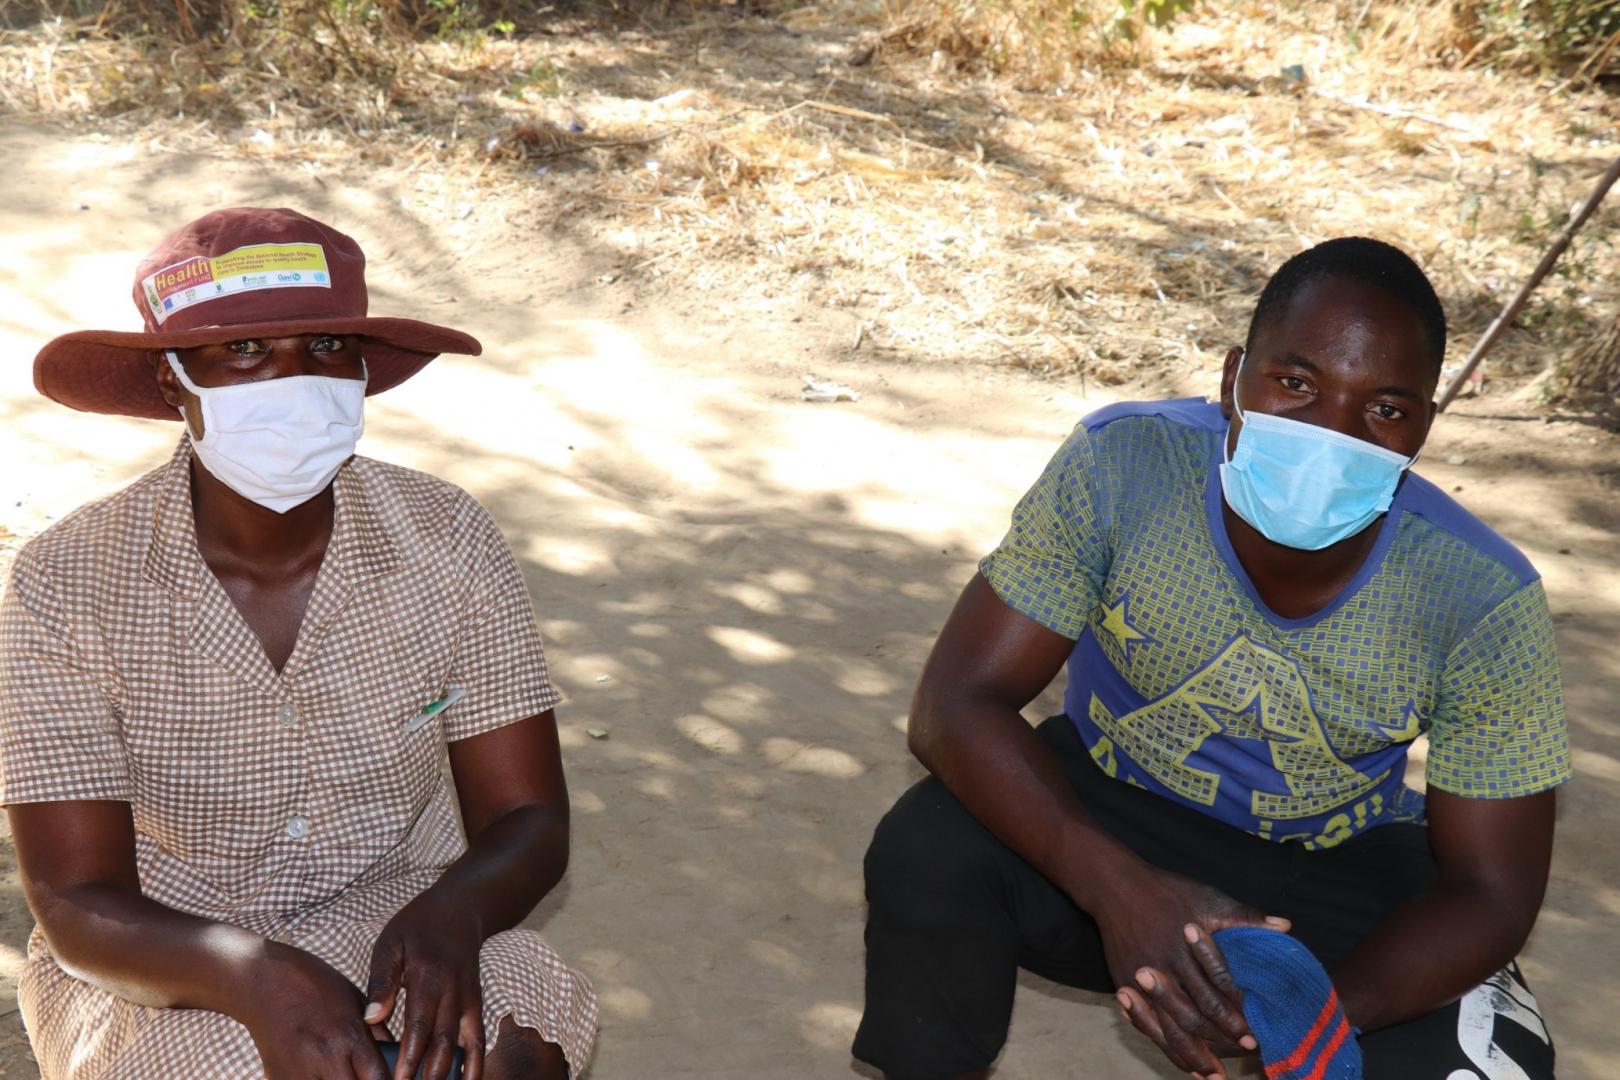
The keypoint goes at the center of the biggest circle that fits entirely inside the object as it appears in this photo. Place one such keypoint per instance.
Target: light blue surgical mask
(1305, 486)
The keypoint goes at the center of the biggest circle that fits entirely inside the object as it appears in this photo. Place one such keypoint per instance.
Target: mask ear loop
(179, 371)
(1226, 443)
(1243, 358)
(185, 381)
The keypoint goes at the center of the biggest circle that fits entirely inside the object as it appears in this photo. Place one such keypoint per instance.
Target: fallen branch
(845, 110)
(1400, 113)
(1543, 268)
(603, 144)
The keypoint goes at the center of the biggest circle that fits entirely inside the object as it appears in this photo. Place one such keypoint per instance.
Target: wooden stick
(845, 110)
(1514, 306)
(1400, 113)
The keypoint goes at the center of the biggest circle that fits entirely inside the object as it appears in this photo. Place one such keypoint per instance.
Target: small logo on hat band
(244, 269)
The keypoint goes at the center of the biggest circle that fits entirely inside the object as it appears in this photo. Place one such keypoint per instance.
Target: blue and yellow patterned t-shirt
(1183, 682)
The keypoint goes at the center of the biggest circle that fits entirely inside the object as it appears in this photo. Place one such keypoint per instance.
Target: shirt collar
(362, 546)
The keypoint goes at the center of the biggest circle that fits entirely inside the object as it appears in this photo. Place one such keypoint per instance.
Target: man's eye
(1389, 412)
(245, 348)
(327, 344)
(1293, 382)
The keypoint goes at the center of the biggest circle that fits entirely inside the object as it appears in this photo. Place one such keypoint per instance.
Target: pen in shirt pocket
(433, 708)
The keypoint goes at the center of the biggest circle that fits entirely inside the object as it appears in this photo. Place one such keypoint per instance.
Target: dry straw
(967, 188)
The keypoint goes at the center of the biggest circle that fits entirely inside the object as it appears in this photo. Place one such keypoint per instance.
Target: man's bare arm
(966, 727)
(1493, 857)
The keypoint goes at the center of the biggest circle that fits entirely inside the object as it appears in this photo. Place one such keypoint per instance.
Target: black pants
(954, 913)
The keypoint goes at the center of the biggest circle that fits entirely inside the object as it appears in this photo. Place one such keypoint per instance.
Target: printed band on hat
(255, 260)
(245, 269)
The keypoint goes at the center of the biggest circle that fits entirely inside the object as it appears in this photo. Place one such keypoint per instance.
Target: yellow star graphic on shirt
(1117, 621)
(1411, 724)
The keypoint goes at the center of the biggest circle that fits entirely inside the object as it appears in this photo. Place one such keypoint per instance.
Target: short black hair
(1357, 258)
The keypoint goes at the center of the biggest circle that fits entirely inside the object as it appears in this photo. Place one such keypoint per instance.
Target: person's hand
(305, 1021)
(1173, 983)
(431, 954)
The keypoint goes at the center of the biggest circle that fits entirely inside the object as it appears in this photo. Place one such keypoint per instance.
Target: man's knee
(926, 853)
(523, 1054)
(1496, 1030)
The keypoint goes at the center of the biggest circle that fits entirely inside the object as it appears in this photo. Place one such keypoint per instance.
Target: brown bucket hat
(240, 273)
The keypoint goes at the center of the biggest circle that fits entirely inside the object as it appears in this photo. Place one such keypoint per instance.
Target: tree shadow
(737, 591)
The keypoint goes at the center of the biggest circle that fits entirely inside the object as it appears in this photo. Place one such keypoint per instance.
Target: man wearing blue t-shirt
(1260, 609)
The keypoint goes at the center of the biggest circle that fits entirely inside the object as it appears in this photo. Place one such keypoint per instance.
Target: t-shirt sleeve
(60, 739)
(1051, 565)
(1498, 730)
(500, 664)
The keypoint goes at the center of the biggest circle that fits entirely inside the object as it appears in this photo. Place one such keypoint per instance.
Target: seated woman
(226, 693)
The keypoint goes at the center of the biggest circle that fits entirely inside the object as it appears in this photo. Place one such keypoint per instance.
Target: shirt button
(297, 827)
(288, 716)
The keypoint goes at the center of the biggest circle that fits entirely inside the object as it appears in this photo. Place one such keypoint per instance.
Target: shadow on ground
(737, 590)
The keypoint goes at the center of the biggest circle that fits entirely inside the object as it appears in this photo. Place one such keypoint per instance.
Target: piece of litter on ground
(1456, 459)
(596, 732)
(1474, 385)
(678, 99)
(603, 678)
(815, 390)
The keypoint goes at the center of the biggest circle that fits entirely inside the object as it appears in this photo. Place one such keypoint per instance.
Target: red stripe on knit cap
(1302, 1050)
(1329, 1050)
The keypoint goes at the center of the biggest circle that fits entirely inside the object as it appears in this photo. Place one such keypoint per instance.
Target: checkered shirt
(297, 804)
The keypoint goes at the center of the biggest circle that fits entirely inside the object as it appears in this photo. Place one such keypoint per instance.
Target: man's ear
(176, 394)
(1229, 370)
(168, 385)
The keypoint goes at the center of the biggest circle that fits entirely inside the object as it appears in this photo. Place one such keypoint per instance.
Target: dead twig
(1543, 268)
(600, 144)
(845, 110)
(1399, 113)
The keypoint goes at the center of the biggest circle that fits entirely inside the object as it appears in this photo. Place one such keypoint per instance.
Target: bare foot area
(738, 587)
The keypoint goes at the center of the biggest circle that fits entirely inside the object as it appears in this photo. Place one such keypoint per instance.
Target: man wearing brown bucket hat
(225, 693)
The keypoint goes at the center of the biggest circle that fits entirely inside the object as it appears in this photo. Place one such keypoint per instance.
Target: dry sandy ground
(738, 588)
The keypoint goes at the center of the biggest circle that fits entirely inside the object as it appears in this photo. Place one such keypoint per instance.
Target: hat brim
(110, 371)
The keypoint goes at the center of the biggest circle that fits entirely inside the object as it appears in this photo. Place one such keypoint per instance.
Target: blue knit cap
(1291, 1006)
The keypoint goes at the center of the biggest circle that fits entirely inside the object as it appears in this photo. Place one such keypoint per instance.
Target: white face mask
(278, 442)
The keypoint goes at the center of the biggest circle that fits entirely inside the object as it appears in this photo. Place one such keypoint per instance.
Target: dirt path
(738, 588)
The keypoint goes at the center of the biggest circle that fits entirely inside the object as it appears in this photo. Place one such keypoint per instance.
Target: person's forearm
(1429, 953)
(145, 952)
(995, 763)
(506, 870)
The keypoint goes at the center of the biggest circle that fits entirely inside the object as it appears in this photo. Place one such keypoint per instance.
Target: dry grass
(1034, 44)
(1117, 223)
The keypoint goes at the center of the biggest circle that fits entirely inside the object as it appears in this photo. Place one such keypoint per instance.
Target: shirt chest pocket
(388, 750)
